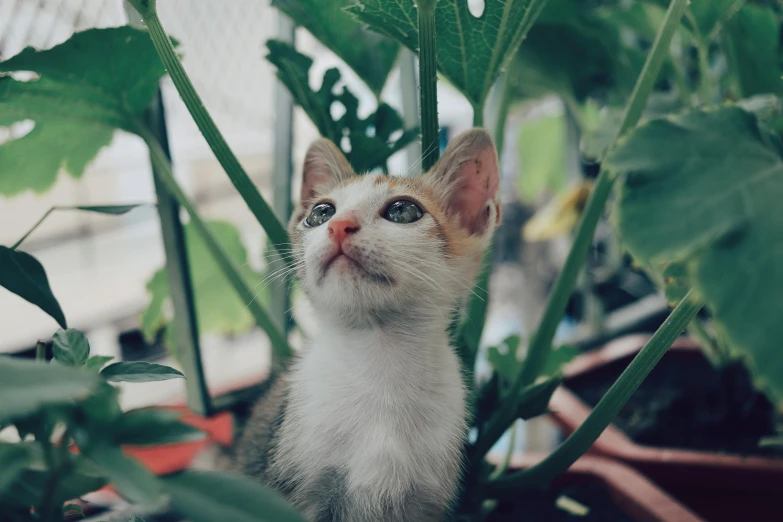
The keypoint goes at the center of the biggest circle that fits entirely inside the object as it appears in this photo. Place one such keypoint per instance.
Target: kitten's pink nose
(339, 228)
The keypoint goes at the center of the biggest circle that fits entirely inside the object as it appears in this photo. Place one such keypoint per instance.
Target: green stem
(37, 224)
(280, 347)
(247, 189)
(606, 409)
(503, 466)
(40, 351)
(428, 78)
(478, 115)
(541, 342)
(702, 50)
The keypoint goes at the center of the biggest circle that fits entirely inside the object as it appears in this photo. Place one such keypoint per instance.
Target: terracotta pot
(632, 493)
(721, 487)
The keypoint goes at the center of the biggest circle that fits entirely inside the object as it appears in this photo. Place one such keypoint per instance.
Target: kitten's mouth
(342, 257)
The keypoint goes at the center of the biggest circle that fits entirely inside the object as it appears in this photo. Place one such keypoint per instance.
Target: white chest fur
(385, 410)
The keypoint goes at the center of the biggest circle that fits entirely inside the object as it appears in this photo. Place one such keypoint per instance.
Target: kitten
(369, 422)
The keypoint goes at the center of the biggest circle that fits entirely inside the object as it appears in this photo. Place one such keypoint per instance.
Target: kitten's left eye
(320, 214)
(403, 211)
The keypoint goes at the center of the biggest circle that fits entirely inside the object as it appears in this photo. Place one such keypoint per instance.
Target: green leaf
(219, 309)
(130, 478)
(542, 143)
(598, 139)
(711, 15)
(504, 358)
(139, 371)
(95, 82)
(703, 190)
(535, 399)
(23, 275)
(558, 358)
(27, 385)
(369, 54)
(14, 458)
(70, 347)
(753, 48)
(208, 496)
(546, 62)
(370, 138)
(471, 51)
(506, 363)
(81, 477)
(96, 362)
(153, 426)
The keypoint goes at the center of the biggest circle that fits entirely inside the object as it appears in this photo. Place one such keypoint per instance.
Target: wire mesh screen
(99, 266)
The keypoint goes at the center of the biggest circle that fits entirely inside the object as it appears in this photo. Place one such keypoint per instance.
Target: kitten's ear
(324, 166)
(466, 178)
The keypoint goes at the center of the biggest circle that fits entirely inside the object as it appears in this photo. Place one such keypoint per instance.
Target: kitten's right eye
(320, 214)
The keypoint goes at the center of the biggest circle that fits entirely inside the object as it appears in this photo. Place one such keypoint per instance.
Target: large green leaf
(209, 496)
(70, 347)
(703, 190)
(370, 140)
(369, 54)
(97, 81)
(24, 276)
(471, 51)
(754, 51)
(26, 385)
(218, 307)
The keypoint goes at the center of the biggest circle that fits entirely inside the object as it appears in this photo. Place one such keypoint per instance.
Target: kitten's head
(372, 247)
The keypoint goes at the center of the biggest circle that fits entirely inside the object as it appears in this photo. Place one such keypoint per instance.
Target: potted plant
(700, 425)
(483, 46)
(691, 428)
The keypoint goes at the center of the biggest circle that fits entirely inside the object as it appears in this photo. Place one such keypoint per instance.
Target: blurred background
(102, 268)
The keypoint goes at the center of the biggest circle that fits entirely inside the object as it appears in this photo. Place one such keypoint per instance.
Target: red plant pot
(631, 493)
(720, 487)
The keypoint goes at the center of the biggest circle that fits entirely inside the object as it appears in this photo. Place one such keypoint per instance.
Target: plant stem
(428, 79)
(30, 231)
(247, 189)
(702, 49)
(280, 347)
(606, 409)
(40, 351)
(478, 115)
(541, 342)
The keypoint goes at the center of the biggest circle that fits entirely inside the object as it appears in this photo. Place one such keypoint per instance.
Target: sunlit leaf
(470, 51)
(218, 307)
(97, 81)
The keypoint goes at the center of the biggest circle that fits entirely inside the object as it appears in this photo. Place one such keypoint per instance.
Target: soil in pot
(540, 505)
(686, 403)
